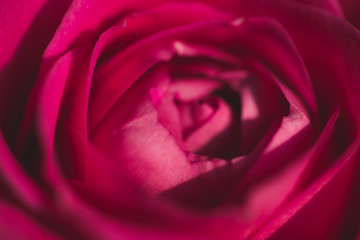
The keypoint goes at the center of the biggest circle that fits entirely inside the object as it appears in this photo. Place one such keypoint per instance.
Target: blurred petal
(351, 9)
(335, 185)
(329, 5)
(16, 180)
(26, 227)
(25, 30)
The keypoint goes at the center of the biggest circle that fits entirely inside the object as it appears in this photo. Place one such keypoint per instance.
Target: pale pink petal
(156, 78)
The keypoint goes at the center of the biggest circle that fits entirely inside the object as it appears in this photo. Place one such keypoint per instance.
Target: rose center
(206, 119)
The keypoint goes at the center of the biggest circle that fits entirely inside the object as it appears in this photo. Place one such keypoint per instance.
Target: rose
(107, 126)
(57, 102)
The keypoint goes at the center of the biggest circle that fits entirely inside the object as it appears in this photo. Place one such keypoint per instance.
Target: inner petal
(218, 136)
(194, 114)
(208, 112)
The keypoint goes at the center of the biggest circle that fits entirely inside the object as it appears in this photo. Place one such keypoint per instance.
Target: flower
(179, 119)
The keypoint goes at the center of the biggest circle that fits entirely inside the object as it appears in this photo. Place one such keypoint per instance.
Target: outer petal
(26, 227)
(15, 183)
(22, 22)
(327, 222)
(329, 5)
(25, 30)
(351, 9)
(330, 49)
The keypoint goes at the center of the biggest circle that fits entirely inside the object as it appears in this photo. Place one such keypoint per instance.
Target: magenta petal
(97, 107)
(44, 102)
(250, 35)
(335, 185)
(12, 31)
(16, 179)
(351, 10)
(335, 72)
(22, 44)
(115, 80)
(218, 35)
(270, 42)
(329, 5)
(333, 181)
(26, 227)
(217, 122)
(156, 79)
(276, 171)
(193, 88)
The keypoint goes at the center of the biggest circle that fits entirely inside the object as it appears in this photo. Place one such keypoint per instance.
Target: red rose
(179, 119)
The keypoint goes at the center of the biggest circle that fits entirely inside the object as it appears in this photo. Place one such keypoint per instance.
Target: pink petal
(25, 30)
(330, 49)
(112, 84)
(335, 185)
(316, 194)
(16, 180)
(351, 9)
(26, 227)
(330, 5)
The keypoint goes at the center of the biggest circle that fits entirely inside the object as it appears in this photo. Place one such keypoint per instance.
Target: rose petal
(156, 78)
(284, 157)
(293, 210)
(218, 128)
(22, 44)
(156, 167)
(26, 227)
(216, 178)
(132, 68)
(192, 89)
(162, 49)
(335, 185)
(351, 9)
(334, 74)
(45, 102)
(329, 5)
(17, 181)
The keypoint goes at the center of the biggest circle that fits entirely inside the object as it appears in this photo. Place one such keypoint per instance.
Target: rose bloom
(160, 119)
